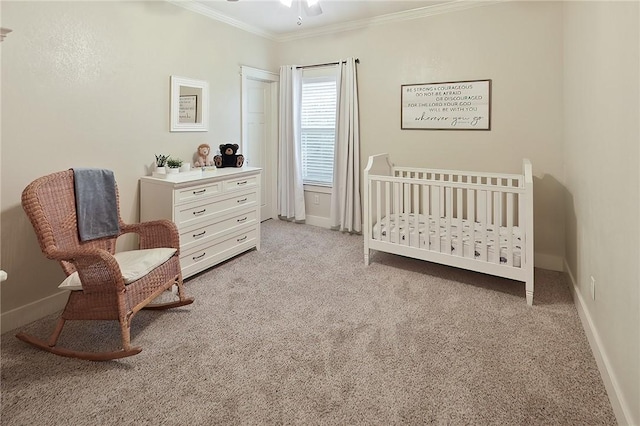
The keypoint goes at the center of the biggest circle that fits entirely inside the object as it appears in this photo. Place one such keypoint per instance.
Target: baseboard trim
(548, 261)
(33, 311)
(620, 407)
(320, 221)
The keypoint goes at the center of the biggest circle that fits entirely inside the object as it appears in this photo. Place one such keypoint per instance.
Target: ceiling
(272, 19)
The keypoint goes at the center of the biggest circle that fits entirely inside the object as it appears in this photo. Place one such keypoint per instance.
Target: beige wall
(602, 159)
(86, 84)
(501, 42)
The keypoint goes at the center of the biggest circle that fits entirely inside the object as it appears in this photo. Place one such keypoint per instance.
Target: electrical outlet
(316, 199)
(593, 288)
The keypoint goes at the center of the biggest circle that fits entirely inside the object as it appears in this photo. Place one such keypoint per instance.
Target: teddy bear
(203, 159)
(228, 156)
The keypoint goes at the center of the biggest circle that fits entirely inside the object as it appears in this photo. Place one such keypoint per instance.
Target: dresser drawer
(193, 193)
(240, 183)
(200, 258)
(199, 212)
(215, 228)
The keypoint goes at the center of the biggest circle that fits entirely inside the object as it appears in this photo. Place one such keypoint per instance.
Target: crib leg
(366, 257)
(529, 292)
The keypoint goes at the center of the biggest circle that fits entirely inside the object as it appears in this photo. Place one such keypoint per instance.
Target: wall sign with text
(188, 109)
(457, 105)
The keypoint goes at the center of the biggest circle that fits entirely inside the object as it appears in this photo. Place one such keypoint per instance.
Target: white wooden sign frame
(453, 105)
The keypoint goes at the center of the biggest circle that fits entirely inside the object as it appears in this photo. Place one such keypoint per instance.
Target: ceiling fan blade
(313, 10)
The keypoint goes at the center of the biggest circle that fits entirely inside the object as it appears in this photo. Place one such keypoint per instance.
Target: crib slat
(460, 248)
(448, 219)
(510, 229)
(426, 210)
(471, 217)
(436, 214)
(497, 213)
(396, 211)
(406, 200)
(482, 217)
(489, 204)
(387, 207)
(378, 207)
(415, 235)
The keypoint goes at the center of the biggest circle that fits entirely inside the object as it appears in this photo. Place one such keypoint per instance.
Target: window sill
(318, 188)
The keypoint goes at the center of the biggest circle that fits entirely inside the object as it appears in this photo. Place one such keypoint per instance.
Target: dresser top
(196, 176)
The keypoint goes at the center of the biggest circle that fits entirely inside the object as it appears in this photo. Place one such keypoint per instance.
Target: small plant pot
(159, 169)
(171, 170)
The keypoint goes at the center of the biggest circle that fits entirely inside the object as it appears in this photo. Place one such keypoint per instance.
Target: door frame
(250, 73)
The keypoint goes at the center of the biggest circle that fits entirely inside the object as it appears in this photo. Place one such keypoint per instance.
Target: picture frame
(451, 105)
(188, 105)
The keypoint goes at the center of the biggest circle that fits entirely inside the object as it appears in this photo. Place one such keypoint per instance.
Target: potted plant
(173, 165)
(161, 162)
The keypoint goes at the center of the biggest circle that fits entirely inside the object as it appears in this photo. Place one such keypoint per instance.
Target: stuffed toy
(203, 159)
(228, 156)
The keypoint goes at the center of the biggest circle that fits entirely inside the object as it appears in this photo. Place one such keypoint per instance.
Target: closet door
(259, 131)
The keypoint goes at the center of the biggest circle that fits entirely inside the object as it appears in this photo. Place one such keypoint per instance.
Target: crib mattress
(398, 230)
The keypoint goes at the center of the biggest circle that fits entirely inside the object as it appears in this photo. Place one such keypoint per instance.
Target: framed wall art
(189, 105)
(455, 105)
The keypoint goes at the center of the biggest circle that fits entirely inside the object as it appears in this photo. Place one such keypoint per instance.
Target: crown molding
(203, 10)
(423, 12)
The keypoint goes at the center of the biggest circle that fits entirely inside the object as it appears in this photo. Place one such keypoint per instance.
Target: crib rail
(455, 176)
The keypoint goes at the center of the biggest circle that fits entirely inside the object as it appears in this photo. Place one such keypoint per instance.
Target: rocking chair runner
(50, 204)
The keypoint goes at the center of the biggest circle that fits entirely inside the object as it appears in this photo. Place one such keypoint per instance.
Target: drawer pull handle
(243, 200)
(200, 212)
(200, 234)
(243, 219)
(244, 182)
(202, 191)
(199, 257)
(241, 239)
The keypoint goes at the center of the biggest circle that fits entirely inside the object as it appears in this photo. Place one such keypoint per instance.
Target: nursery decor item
(173, 165)
(105, 291)
(203, 156)
(189, 110)
(217, 214)
(228, 156)
(454, 105)
(161, 162)
(441, 216)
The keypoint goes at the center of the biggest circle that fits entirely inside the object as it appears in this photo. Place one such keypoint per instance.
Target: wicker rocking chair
(104, 294)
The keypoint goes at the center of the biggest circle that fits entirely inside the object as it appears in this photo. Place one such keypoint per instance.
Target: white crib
(477, 221)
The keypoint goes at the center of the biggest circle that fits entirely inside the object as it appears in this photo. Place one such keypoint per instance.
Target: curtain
(346, 207)
(290, 187)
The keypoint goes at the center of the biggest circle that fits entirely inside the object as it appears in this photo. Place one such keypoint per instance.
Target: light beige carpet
(302, 332)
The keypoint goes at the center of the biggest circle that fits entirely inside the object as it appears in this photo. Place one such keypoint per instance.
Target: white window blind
(318, 129)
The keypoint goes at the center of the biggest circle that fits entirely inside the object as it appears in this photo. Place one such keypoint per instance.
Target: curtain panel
(290, 185)
(346, 205)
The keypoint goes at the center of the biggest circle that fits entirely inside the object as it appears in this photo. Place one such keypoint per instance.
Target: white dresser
(217, 213)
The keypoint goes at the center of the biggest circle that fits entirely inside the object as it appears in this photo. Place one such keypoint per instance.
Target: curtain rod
(324, 65)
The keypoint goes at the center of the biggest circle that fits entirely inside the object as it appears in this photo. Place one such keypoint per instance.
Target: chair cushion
(134, 264)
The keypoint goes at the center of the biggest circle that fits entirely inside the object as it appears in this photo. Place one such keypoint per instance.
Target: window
(318, 129)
